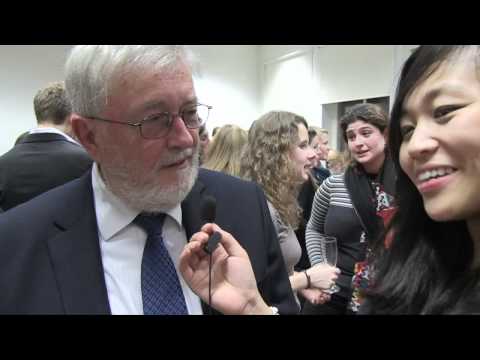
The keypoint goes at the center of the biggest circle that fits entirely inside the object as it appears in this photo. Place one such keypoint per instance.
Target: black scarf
(364, 199)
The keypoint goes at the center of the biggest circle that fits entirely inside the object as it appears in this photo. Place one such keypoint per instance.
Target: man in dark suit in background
(45, 157)
(111, 241)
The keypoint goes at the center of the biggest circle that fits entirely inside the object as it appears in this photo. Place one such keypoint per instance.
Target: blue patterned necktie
(161, 290)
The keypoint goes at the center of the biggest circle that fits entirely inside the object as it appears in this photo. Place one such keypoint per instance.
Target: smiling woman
(433, 264)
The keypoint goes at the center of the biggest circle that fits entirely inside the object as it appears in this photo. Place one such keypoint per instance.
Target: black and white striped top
(332, 192)
(334, 215)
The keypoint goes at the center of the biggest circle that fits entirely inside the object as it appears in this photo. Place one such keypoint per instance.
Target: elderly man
(111, 241)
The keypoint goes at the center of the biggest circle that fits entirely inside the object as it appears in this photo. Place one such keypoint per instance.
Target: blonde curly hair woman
(279, 158)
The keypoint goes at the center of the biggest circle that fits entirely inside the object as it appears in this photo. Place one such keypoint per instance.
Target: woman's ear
(83, 129)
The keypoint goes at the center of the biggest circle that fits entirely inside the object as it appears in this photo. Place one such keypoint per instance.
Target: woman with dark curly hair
(352, 207)
(278, 157)
(433, 263)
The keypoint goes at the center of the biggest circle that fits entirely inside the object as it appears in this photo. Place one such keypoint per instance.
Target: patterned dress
(363, 270)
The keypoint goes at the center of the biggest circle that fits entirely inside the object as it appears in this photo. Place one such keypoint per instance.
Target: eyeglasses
(158, 125)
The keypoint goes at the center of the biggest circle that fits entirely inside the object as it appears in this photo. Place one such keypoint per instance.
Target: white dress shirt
(51, 130)
(122, 244)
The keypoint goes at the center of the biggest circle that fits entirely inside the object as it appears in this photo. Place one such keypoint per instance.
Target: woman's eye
(406, 132)
(442, 111)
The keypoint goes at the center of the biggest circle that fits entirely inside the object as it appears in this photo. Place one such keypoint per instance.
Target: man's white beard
(152, 197)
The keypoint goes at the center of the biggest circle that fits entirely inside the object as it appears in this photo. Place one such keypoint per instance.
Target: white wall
(229, 83)
(401, 53)
(23, 70)
(310, 79)
(288, 78)
(352, 72)
(269, 53)
(330, 122)
(303, 78)
(241, 82)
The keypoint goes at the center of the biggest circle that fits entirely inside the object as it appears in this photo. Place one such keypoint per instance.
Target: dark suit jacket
(50, 258)
(39, 162)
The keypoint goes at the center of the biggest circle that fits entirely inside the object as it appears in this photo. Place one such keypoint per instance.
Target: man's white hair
(91, 71)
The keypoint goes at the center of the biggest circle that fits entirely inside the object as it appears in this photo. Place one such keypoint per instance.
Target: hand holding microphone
(232, 289)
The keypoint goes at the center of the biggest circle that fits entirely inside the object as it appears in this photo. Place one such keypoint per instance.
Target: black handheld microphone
(209, 210)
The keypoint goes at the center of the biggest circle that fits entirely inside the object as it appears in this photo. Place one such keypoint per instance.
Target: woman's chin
(441, 213)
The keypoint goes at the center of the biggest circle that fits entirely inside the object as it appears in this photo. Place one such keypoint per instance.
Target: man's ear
(83, 129)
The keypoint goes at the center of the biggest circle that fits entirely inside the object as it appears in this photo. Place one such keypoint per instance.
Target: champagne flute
(330, 253)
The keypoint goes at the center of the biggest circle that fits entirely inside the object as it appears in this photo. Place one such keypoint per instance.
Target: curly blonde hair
(267, 161)
(225, 151)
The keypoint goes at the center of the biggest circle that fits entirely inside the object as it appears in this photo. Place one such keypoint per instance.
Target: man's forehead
(174, 74)
(170, 73)
(147, 92)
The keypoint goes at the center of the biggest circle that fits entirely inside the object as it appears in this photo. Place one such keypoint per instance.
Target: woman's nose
(421, 141)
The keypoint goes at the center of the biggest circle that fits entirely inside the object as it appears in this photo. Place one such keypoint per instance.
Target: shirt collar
(113, 215)
(51, 130)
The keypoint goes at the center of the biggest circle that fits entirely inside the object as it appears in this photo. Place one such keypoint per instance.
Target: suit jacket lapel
(75, 254)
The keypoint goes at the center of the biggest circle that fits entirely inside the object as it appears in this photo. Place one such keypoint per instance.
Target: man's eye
(190, 112)
(158, 119)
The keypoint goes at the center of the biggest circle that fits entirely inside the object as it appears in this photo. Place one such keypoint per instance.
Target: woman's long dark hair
(427, 267)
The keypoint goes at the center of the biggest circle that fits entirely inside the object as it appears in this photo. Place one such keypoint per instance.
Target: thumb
(230, 244)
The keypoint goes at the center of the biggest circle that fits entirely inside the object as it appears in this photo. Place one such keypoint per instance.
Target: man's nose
(179, 135)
